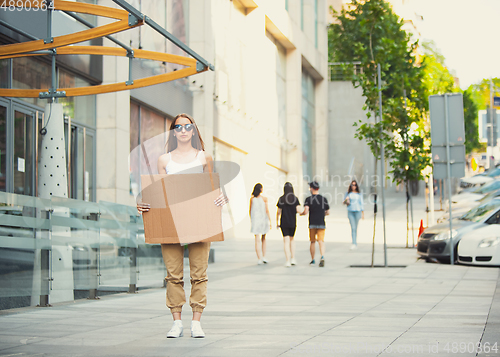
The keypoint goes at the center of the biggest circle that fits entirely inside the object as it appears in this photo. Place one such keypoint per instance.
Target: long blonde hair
(196, 140)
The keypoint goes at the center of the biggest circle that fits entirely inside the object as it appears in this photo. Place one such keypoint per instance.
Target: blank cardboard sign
(182, 208)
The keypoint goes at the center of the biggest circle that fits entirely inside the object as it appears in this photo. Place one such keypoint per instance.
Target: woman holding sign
(185, 154)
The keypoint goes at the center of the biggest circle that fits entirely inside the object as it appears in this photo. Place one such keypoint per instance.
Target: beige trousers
(173, 256)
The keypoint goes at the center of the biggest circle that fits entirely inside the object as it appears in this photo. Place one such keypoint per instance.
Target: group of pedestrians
(315, 205)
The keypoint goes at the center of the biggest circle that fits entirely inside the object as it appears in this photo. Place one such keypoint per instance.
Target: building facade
(264, 107)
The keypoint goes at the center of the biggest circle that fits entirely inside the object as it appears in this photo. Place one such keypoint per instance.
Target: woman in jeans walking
(354, 201)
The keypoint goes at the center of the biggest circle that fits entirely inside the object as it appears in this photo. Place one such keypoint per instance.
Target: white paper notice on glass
(20, 164)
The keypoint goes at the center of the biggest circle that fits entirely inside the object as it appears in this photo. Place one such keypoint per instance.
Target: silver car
(435, 242)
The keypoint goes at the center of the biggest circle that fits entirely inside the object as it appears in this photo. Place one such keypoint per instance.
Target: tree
(369, 32)
(481, 92)
(470, 122)
(437, 77)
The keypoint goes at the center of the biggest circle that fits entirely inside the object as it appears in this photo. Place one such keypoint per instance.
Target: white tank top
(193, 167)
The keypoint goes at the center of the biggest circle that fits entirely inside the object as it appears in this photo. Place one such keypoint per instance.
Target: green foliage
(470, 122)
(481, 92)
(439, 80)
(437, 77)
(369, 32)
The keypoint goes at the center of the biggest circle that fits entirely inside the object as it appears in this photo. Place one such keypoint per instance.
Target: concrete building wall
(345, 105)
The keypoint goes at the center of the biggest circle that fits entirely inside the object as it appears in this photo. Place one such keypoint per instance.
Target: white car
(481, 246)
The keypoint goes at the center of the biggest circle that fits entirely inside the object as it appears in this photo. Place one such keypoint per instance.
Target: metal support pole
(411, 198)
(132, 287)
(382, 159)
(448, 170)
(431, 199)
(53, 90)
(49, 38)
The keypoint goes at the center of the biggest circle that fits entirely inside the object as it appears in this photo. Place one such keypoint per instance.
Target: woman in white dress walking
(261, 222)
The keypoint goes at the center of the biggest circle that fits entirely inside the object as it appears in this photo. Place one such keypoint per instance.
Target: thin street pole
(492, 126)
(382, 159)
(448, 169)
(411, 199)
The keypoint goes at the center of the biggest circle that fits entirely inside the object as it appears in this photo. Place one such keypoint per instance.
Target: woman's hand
(362, 214)
(221, 200)
(143, 207)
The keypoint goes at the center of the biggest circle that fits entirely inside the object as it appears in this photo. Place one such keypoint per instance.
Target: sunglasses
(188, 127)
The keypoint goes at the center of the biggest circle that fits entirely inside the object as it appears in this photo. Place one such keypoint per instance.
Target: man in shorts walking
(317, 207)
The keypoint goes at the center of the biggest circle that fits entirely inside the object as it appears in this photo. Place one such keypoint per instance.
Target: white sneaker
(176, 330)
(353, 247)
(196, 330)
(264, 260)
(287, 264)
(293, 261)
(260, 262)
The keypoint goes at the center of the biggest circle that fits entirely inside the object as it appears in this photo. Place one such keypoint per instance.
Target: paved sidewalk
(269, 310)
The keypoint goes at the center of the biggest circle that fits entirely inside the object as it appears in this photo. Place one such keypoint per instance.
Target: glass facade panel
(4, 73)
(135, 158)
(149, 128)
(3, 148)
(81, 109)
(81, 248)
(79, 145)
(89, 193)
(23, 153)
(29, 73)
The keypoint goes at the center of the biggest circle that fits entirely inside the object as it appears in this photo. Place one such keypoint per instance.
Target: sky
(465, 31)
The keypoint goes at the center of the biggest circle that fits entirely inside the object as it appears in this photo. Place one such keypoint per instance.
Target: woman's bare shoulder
(163, 159)
(207, 156)
(264, 198)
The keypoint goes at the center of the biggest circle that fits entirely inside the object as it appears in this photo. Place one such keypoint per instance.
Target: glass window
(30, 73)
(23, 153)
(88, 194)
(4, 73)
(81, 109)
(145, 125)
(3, 148)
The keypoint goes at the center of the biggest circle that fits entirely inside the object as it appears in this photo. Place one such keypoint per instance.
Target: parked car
(466, 198)
(481, 246)
(434, 243)
(459, 211)
(480, 179)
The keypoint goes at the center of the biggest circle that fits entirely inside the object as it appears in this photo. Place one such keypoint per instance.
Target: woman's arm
(208, 166)
(278, 214)
(362, 207)
(250, 209)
